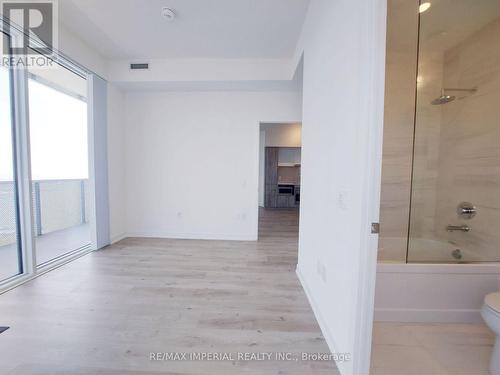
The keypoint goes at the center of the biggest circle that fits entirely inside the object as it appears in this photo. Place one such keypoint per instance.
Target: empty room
(260, 187)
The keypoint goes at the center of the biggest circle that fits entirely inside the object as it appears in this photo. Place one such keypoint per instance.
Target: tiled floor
(431, 349)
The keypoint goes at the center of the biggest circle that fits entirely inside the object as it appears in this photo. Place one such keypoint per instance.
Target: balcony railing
(57, 205)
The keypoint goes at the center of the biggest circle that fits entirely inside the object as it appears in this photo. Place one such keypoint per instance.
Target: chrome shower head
(443, 99)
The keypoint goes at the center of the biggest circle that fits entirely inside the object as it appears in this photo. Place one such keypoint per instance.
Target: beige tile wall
(401, 67)
(427, 149)
(469, 165)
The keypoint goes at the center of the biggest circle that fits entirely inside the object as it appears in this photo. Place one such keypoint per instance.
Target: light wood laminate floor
(106, 312)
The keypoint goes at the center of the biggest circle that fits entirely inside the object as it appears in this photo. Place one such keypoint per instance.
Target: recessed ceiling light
(423, 7)
(168, 14)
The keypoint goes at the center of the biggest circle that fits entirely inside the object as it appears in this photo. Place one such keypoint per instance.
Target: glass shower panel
(455, 202)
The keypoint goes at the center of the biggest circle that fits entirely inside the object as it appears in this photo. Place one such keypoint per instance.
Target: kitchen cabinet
(289, 156)
(281, 184)
(271, 177)
(285, 201)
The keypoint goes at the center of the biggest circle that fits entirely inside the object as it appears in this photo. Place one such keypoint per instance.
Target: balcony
(60, 210)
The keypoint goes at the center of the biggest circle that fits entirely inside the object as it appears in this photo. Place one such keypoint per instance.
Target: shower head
(445, 98)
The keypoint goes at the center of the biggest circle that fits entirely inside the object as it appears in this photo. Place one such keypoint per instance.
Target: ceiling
(135, 29)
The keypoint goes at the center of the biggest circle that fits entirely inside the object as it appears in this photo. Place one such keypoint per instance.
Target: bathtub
(427, 292)
(423, 250)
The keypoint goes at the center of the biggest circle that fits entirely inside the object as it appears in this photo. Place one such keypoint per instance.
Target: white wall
(116, 162)
(203, 70)
(193, 161)
(75, 48)
(344, 46)
(98, 163)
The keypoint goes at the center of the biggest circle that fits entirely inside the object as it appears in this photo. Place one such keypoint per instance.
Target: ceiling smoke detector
(168, 14)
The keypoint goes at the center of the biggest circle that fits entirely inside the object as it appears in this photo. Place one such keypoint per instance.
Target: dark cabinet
(271, 177)
(285, 201)
(277, 195)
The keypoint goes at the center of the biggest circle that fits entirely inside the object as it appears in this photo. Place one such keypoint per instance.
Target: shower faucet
(466, 210)
(458, 228)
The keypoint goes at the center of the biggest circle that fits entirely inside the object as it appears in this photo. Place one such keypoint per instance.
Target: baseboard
(194, 236)
(118, 238)
(319, 318)
(427, 316)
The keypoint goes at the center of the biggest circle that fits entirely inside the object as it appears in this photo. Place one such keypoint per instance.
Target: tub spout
(459, 228)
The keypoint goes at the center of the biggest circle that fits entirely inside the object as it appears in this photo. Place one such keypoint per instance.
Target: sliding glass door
(10, 246)
(47, 203)
(59, 161)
